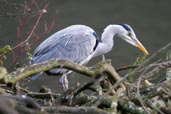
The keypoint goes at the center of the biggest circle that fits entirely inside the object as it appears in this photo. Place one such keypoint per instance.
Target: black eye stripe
(125, 27)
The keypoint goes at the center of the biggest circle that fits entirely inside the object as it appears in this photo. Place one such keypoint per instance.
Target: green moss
(5, 49)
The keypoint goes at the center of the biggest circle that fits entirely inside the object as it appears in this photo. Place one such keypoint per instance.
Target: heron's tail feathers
(35, 76)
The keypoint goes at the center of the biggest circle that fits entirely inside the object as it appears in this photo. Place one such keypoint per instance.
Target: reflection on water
(149, 19)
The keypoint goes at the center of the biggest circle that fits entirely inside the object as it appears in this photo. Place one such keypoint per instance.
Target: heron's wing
(75, 46)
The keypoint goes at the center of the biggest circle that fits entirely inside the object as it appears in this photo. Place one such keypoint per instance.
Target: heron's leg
(64, 82)
(103, 58)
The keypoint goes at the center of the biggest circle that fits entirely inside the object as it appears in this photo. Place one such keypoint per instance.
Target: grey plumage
(74, 43)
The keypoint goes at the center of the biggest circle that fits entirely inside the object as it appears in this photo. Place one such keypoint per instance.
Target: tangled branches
(114, 93)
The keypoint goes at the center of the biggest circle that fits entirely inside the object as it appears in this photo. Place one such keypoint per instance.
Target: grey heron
(79, 44)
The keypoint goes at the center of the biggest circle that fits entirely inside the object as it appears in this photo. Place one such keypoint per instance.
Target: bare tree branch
(102, 67)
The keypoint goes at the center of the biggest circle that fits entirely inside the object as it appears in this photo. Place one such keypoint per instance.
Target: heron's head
(127, 34)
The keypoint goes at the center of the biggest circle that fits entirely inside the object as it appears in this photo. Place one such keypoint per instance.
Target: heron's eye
(129, 34)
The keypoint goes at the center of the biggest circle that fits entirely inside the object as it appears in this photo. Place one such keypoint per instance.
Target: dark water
(150, 20)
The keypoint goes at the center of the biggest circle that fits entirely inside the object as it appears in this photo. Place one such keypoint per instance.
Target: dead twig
(139, 96)
(127, 68)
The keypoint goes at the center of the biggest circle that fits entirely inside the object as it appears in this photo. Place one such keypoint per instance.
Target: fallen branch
(102, 67)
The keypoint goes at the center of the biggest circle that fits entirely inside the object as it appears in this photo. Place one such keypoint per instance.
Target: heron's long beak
(141, 47)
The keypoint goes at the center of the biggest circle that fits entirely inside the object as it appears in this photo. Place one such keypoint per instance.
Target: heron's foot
(64, 82)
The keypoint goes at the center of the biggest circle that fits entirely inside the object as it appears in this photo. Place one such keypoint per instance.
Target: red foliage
(32, 35)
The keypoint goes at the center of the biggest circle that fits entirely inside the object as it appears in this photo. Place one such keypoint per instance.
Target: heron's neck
(107, 40)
